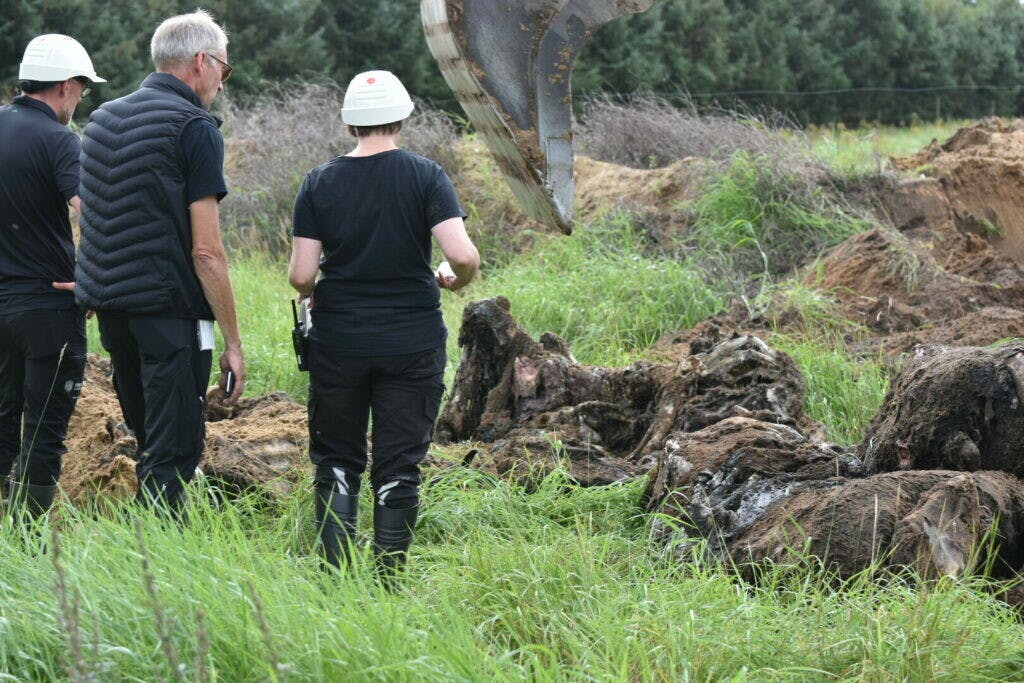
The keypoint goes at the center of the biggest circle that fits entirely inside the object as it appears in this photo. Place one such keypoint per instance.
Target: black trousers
(42, 362)
(403, 394)
(160, 376)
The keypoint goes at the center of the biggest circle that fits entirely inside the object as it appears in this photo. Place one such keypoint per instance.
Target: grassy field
(561, 584)
(869, 148)
(556, 585)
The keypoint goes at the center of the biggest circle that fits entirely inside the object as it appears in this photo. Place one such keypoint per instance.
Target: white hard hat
(375, 98)
(55, 57)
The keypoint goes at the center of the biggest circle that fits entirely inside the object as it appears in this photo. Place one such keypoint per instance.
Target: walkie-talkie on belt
(300, 337)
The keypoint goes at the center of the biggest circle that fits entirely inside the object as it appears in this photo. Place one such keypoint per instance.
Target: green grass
(868, 148)
(559, 584)
(600, 290)
(842, 392)
(758, 219)
(555, 585)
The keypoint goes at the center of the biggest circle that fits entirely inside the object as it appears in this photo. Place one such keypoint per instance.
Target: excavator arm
(509, 63)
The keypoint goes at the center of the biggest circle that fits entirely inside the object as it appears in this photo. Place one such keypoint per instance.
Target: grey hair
(178, 39)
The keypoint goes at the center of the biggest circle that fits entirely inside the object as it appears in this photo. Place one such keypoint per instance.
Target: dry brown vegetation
(274, 143)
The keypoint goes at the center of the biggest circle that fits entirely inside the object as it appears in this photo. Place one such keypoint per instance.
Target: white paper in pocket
(205, 335)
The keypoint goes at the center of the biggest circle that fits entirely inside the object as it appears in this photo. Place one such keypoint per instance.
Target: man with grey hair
(151, 261)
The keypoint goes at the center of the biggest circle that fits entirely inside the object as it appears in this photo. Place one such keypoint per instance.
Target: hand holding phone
(445, 275)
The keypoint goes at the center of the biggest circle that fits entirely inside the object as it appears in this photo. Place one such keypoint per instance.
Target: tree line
(818, 60)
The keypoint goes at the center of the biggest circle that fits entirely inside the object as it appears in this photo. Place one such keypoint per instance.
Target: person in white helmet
(42, 331)
(364, 221)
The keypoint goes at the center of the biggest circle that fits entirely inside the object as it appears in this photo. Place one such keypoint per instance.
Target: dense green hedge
(699, 46)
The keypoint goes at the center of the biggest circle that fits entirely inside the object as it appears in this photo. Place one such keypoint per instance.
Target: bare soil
(981, 170)
(930, 273)
(261, 442)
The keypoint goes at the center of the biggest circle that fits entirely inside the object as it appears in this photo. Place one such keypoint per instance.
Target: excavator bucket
(509, 63)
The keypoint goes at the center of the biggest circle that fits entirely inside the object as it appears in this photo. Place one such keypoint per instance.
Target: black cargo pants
(160, 376)
(403, 394)
(42, 361)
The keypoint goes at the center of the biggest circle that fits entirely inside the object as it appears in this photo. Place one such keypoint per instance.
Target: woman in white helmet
(364, 221)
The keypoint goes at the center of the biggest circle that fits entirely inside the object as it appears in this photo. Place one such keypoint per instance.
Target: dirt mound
(981, 169)
(952, 408)
(657, 197)
(978, 328)
(891, 284)
(926, 281)
(261, 442)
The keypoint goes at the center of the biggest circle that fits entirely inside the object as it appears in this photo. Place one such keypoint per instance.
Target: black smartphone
(229, 383)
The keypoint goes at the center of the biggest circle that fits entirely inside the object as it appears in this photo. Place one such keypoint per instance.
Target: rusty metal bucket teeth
(509, 64)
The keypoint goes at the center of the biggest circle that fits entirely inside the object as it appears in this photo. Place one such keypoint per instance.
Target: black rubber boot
(30, 501)
(336, 520)
(392, 535)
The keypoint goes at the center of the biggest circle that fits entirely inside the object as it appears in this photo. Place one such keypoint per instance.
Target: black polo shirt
(377, 295)
(38, 176)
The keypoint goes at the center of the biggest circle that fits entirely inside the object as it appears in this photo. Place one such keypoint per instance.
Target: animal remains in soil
(729, 455)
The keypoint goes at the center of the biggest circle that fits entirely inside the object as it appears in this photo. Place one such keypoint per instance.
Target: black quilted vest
(135, 251)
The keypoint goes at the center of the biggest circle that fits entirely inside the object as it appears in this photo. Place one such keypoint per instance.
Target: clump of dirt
(261, 442)
(952, 408)
(981, 169)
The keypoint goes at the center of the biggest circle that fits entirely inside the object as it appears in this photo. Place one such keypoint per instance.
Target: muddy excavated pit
(261, 442)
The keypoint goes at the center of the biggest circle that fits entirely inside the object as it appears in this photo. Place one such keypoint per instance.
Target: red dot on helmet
(371, 81)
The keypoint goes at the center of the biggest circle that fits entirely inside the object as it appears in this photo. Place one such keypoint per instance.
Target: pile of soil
(924, 278)
(981, 169)
(261, 442)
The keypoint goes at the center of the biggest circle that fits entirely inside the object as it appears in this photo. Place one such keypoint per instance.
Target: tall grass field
(557, 584)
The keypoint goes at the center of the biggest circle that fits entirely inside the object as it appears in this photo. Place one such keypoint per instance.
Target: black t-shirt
(377, 295)
(202, 149)
(38, 176)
